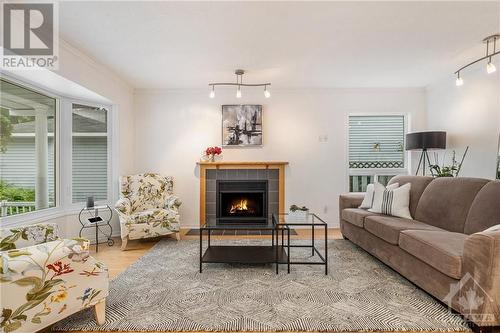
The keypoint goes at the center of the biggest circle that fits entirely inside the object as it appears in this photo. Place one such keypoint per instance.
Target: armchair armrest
(482, 269)
(38, 283)
(124, 206)
(173, 202)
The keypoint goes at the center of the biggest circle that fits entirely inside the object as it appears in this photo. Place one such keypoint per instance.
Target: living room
(223, 149)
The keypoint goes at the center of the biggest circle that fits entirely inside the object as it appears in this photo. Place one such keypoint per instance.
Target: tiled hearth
(211, 173)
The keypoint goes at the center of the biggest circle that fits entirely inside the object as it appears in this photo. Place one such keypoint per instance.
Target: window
(90, 153)
(376, 150)
(27, 150)
(54, 153)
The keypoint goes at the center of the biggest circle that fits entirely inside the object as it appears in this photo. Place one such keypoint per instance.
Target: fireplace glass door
(242, 201)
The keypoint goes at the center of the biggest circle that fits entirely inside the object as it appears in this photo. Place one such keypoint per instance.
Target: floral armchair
(147, 207)
(44, 278)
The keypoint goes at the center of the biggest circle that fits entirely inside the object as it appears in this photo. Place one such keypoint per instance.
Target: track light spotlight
(267, 94)
(490, 68)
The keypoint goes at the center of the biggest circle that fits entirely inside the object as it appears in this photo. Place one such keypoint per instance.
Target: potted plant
(452, 170)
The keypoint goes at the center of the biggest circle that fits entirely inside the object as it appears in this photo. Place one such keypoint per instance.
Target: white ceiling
(291, 44)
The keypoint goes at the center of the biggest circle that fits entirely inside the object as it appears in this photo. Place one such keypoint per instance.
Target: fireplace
(241, 201)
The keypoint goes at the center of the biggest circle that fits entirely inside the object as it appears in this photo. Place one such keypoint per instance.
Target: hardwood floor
(117, 260)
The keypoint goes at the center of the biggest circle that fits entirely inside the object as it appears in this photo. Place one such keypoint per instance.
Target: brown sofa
(445, 250)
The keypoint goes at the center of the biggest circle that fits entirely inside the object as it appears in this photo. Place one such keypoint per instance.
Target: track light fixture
(490, 67)
(239, 83)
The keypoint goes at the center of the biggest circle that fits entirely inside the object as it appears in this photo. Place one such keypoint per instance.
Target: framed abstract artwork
(241, 125)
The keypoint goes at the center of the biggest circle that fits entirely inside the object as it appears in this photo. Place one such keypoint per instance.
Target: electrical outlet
(323, 138)
(325, 209)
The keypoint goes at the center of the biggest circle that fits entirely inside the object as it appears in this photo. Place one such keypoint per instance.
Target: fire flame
(239, 206)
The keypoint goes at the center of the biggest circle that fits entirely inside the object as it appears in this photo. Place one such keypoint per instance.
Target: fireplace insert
(241, 201)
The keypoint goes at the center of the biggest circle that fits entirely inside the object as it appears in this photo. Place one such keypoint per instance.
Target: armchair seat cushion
(443, 250)
(152, 215)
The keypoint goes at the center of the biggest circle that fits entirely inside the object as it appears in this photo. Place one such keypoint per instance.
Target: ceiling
(161, 45)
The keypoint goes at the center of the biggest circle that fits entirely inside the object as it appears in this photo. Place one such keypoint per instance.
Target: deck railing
(8, 208)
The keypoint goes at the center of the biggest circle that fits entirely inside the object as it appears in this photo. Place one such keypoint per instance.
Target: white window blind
(376, 142)
(90, 153)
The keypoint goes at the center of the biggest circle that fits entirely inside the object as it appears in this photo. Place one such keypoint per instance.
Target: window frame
(376, 172)
(63, 157)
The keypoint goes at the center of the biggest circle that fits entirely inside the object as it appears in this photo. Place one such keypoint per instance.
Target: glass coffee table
(311, 220)
(274, 253)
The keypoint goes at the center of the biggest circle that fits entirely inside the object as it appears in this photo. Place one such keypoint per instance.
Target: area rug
(164, 291)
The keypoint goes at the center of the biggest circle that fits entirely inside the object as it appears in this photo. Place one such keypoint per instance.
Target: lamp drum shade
(426, 140)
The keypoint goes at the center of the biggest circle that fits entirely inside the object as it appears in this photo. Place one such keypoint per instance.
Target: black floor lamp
(425, 141)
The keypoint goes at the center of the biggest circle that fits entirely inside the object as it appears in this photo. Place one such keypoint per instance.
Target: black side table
(283, 220)
(106, 213)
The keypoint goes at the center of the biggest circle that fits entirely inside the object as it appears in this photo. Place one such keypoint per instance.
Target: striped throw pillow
(394, 202)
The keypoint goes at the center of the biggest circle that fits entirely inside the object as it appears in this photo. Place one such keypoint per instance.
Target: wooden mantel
(241, 165)
(204, 166)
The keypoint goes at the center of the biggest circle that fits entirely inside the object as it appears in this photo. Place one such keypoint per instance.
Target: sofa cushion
(446, 201)
(388, 228)
(418, 185)
(442, 250)
(356, 216)
(485, 210)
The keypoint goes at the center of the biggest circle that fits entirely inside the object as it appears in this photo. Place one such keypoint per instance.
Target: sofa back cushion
(19, 237)
(146, 191)
(485, 209)
(446, 202)
(418, 185)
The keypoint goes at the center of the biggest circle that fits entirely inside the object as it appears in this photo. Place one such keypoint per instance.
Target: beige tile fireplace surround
(274, 172)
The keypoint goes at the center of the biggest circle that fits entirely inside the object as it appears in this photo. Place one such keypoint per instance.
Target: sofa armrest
(350, 200)
(44, 283)
(482, 275)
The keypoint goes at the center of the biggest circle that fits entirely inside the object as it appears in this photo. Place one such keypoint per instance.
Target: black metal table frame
(97, 225)
(314, 249)
(274, 242)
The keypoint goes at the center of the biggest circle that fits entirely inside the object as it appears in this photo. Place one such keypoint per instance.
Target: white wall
(470, 114)
(173, 127)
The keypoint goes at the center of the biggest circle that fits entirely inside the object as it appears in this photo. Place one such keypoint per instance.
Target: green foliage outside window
(16, 194)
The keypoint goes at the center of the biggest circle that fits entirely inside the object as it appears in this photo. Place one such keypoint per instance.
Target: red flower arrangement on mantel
(211, 152)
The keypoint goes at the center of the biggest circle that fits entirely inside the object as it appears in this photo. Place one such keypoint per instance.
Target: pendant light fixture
(239, 83)
(490, 67)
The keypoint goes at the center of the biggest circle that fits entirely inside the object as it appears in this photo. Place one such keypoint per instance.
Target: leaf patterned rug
(164, 291)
